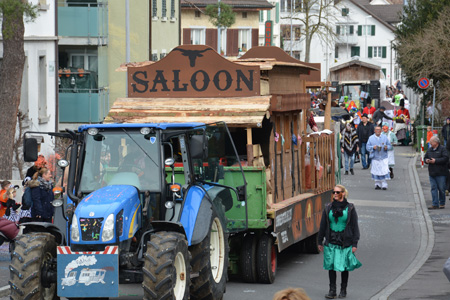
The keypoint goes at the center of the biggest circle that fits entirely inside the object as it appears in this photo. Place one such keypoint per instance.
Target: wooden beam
(249, 147)
(327, 120)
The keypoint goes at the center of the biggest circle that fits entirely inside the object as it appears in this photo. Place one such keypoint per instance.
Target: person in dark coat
(437, 160)
(42, 196)
(338, 239)
(446, 131)
(378, 116)
(365, 130)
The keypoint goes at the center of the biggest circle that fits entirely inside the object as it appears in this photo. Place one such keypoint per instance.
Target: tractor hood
(107, 200)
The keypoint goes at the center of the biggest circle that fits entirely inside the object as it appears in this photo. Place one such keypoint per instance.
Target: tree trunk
(307, 46)
(10, 86)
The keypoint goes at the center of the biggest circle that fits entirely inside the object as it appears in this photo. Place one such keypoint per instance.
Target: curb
(4, 291)
(426, 239)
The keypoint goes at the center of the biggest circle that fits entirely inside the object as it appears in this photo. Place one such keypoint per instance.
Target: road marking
(377, 203)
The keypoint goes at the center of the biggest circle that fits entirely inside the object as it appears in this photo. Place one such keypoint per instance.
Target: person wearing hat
(369, 110)
(365, 130)
(393, 139)
(446, 131)
(378, 116)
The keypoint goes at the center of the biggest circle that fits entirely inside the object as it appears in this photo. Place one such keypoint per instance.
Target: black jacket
(446, 132)
(351, 231)
(379, 115)
(42, 200)
(440, 167)
(364, 132)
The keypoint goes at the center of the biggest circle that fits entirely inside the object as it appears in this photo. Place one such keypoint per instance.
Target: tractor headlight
(108, 229)
(75, 230)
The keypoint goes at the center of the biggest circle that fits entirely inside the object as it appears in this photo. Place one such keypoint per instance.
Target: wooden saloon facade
(265, 105)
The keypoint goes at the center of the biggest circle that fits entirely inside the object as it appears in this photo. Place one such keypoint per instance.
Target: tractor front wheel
(210, 261)
(166, 267)
(32, 254)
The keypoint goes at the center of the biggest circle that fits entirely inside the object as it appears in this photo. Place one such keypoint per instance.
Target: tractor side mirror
(198, 147)
(30, 149)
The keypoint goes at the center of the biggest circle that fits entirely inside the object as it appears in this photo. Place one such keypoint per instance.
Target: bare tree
(13, 29)
(18, 145)
(318, 18)
(427, 54)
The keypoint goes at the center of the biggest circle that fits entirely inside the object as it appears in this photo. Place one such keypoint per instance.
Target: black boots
(332, 293)
(392, 173)
(351, 171)
(343, 292)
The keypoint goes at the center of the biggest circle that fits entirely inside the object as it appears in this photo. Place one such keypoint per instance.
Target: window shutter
(336, 52)
(255, 37)
(351, 29)
(369, 50)
(186, 36)
(383, 53)
(277, 12)
(211, 38)
(269, 15)
(373, 30)
(357, 51)
(232, 42)
(261, 16)
(359, 30)
(338, 29)
(384, 71)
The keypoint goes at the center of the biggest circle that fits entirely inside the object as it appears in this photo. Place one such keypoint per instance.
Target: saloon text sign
(193, 71)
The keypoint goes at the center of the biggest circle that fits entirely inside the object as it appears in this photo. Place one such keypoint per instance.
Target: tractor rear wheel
(166, 267)
(210, 261)
(32, 252)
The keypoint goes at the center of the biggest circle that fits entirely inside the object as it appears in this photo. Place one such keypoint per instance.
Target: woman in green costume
(339, 228)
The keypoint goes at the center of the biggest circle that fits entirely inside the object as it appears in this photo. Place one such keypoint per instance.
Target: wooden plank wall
(285, 157)
(319, 174)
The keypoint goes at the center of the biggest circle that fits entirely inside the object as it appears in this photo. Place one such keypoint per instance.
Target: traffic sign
(423, 83)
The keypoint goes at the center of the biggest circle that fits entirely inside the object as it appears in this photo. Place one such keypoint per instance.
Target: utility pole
(218, 28)
(127, 38)
(291, 27)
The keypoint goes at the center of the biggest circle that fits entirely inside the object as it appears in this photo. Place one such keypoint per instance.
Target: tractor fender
(45, 227)
(168, 226)
(197, 211)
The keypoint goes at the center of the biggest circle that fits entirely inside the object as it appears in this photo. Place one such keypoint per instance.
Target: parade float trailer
(231, 178)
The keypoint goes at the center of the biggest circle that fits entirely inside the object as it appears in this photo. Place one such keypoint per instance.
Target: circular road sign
(423, 83)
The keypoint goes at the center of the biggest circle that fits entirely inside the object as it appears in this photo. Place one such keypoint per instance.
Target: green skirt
(339, 259)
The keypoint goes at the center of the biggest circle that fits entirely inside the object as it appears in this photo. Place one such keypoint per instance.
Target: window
(42, 89)
(154, 8)
(164, 9)
(244, 15)
(286, 5)
(223, 41)
(197, 36)
(261, 16)
(172, 10)
(277, 12)
(384, 72)
(84, 61)
(378, 52)
(355, 51)
(198, 14)
(336, 52)
(245, 40)
(23, 107)
(344, 30)
(286, 32)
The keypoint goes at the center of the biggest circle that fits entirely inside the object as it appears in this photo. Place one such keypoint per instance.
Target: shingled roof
(233, 3)
(388, 14)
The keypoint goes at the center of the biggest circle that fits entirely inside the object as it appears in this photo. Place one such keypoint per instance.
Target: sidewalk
(430, 282)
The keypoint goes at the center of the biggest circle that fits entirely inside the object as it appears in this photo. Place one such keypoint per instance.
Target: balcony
(82, 23)
(350, 40)
(83, 105)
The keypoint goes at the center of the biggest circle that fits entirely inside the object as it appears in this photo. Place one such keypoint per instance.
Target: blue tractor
(150, 203)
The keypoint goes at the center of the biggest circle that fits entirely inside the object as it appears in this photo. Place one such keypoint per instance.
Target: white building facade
(274, 16)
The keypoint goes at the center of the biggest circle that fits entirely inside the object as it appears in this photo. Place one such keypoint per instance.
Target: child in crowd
(5, 185)
(429, 135)
(12, 206)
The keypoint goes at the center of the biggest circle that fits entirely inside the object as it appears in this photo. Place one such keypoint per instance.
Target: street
(391, 224)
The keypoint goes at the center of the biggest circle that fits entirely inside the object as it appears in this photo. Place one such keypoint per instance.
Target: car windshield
(121, 157)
